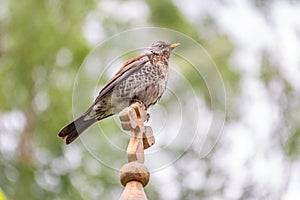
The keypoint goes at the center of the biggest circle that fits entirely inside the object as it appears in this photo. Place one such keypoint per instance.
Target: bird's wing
(128, 68)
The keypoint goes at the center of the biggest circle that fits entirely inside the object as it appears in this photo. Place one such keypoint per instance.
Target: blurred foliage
(166, 14)
(32, 35)
(2, 196)
(41, 48)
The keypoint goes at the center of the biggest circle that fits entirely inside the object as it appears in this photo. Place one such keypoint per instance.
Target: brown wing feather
(127, 68)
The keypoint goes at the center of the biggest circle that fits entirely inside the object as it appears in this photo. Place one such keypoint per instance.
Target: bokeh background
(254, 44)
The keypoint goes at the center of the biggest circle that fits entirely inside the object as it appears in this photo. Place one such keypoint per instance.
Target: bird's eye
(154, 53)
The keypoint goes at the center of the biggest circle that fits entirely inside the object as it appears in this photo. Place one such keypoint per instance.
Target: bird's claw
(147, 117)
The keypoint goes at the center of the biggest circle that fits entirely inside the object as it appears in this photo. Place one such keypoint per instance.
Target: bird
(141, 79)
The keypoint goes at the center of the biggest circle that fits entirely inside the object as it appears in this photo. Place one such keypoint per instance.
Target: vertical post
(134, 175)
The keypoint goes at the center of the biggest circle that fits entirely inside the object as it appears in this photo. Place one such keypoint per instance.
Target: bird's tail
(71, 131)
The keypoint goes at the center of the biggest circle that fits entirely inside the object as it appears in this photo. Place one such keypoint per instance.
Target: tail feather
(71, 131)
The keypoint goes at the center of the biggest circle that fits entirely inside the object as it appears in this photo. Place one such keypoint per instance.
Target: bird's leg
(147, 117)
(138, 101)
(139, 105)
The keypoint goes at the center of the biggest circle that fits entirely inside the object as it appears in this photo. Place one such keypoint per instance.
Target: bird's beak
(173, 46)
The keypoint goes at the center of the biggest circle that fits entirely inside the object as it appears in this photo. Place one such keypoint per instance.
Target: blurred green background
(255, 45)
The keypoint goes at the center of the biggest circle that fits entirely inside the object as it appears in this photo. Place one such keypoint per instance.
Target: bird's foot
(139, 102)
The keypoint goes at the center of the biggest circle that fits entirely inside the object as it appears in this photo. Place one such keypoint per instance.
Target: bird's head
(159, 51)
(161, 47)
